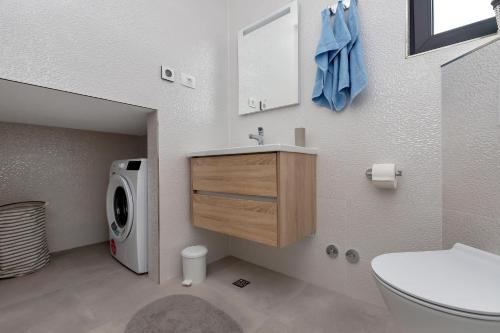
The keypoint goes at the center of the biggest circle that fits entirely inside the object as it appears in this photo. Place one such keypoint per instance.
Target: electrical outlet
(188, 80)
(167, 74)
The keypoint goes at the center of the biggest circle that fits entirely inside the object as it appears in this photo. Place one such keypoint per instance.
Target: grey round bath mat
(182, 314)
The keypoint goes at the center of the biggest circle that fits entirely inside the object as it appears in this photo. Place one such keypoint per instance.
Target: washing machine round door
(119, 207)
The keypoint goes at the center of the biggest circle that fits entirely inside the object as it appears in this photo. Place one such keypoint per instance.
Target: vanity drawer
(248, 219)
(254, 174)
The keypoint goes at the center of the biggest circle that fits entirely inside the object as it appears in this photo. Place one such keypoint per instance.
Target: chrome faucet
(259, 137)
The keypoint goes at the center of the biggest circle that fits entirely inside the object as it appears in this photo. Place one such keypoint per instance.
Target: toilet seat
(462, 281)
(435, 306)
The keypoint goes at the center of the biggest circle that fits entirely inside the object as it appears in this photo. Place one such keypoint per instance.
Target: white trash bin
(194, 264)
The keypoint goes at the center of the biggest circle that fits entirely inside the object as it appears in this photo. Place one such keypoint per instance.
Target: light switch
(263, 105)
(252, 102)
(188, 80)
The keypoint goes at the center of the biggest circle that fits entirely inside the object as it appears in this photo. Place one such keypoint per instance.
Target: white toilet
(452, 291)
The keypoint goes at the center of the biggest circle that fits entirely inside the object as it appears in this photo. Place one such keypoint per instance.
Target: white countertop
(255, 150)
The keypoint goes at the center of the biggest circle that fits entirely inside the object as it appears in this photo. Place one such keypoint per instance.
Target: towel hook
(333, 8)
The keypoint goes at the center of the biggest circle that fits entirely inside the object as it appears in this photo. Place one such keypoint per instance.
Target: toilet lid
(463, 278)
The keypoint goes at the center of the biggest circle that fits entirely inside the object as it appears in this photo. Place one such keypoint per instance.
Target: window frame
(421, 29)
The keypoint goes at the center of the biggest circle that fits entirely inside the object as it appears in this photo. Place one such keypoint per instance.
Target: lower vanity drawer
(248, 219)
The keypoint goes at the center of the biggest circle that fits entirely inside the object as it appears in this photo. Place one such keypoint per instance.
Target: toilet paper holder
(369, 173)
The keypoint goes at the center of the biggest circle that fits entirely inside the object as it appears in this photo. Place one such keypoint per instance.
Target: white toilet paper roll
(384, 176)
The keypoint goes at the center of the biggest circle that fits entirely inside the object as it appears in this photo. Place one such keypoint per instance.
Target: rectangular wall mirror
(268, 61)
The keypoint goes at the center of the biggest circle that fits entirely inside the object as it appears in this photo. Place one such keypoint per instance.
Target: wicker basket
(23, 239)
(496, 6)
(497, 11)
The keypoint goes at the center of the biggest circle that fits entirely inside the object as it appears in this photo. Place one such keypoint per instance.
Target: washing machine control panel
(127, 165)
(134, 165)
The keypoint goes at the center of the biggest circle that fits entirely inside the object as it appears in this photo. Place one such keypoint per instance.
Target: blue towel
(358, 77)
(327, 49)
(340, 62)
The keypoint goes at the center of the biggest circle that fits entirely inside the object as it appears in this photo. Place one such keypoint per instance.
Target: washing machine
(127, 207)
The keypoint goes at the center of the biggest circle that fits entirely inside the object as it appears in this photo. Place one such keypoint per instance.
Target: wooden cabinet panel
(249, 219)
(254, 174)
(297, 197)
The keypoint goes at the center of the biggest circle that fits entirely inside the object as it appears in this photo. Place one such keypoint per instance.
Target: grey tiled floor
(85, 290)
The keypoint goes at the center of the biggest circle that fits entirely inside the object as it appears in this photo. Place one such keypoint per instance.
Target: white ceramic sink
(255, 149)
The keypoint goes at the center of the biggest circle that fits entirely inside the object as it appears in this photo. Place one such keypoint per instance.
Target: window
(438, 23)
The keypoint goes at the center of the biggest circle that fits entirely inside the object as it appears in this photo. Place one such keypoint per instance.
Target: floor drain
(241, 283)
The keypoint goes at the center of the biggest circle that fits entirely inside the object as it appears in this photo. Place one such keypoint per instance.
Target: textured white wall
(153, 197)
(114, 49)
(397, 119)
(471, 146)
(67, 168)
(190, 120)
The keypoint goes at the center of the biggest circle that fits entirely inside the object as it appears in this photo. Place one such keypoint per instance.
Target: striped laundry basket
(496, 7)
(497, 11)
(23, 239)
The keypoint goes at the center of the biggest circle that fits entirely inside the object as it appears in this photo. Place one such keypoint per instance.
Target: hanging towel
(357, 71)
(327, 49)
(340, 62)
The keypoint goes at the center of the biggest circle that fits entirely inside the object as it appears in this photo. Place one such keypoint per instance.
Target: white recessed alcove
(36, 105)
(53, 142)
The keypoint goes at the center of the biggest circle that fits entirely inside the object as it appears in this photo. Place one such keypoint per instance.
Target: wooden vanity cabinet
(269, 198)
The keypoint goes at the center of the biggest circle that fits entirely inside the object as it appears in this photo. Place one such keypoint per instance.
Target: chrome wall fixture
(332, 251)
(352, 256)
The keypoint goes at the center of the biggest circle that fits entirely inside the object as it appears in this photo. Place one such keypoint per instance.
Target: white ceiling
(29, 104)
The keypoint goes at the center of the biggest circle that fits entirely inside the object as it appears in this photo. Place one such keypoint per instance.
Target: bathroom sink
(254, 150)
